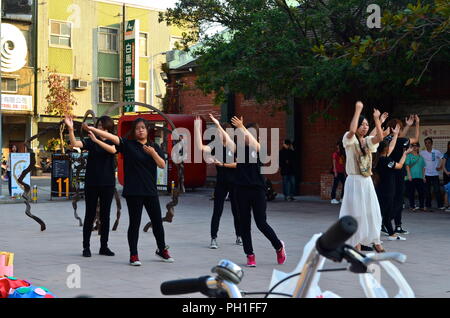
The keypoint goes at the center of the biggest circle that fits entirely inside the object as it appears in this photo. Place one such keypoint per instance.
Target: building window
(143, 92)
(60, 33)
(9, 85)
(109, 91)
(143, 44)
(108, 40)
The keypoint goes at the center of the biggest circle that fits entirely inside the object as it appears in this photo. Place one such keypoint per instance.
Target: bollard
(34, 194)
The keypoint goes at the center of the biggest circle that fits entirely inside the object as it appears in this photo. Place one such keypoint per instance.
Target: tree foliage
(316, 49)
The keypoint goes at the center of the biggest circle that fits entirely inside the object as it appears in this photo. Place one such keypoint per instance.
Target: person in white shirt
(360, 199)
(433, 164)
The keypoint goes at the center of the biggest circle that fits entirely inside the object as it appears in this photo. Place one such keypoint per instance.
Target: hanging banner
(131, 64)
(19, 162)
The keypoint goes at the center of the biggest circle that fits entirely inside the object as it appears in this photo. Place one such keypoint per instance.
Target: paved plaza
(44, 257)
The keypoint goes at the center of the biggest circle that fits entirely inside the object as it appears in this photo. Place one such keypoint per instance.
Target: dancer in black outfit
(226, 168)
(385, 189)
(250, 190)
(100, 181)
(141, 157)
(399, 175)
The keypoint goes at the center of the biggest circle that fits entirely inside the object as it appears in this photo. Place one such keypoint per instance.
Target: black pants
(386, 201)
(433, 182)
(399, 191)
(248, 199)
(135, 205)
(340, 178)
(411, 188)
(92, 196)
(220, 193)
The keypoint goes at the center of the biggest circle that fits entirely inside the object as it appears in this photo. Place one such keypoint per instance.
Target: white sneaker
(214, 244)
(396, 238)
(334, 201)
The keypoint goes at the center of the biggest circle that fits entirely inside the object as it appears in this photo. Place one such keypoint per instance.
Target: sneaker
(334, 201)
(442, 208)
(134, 260)
(106, 251)
(396, 238)
(214, 244)
(291, 199)
(447, 209)
(281, 255)
(251, 260)
(238, 240)
(384, 231)
(399, 230)
(164, 255)
(86, 252)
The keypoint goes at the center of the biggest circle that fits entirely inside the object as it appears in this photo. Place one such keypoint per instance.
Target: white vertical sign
(19, 162)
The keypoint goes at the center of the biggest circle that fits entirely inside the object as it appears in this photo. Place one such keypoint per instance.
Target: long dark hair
(107, 123)
(360, 121)
(448, 150)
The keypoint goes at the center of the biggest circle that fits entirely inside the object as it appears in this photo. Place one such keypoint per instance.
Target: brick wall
(326, 183)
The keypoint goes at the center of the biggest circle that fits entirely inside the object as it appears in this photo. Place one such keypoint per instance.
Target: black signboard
(60, 175)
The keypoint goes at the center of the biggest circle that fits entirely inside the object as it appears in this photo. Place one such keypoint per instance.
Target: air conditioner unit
(79, 84)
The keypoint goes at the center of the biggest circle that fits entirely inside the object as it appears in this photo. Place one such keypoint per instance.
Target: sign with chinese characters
(17, 102)
(131, 64)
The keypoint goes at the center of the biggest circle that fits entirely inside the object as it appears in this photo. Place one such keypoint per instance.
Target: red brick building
(314, 141)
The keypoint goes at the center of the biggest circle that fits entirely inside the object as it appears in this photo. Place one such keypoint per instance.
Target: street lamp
(152, 76)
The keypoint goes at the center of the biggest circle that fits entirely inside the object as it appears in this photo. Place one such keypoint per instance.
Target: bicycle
(331, 245)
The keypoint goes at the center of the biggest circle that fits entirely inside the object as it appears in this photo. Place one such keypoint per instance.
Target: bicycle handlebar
(336, 235)
(398, 257)
(185, 286)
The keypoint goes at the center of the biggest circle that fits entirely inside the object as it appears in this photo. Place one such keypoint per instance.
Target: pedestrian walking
(12, 149)
(415, 168)
(225, 178)
(250, 189)
(287, 169)
(141, 157)
(399, 175)
(360, 199)
(338, 158)
(433, 158)
(100, 181)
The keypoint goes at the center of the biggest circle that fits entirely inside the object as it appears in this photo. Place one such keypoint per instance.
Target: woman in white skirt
(360, 199)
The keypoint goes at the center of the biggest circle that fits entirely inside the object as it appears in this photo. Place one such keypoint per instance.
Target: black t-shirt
(139, 168)
(287, 160)
(401, 145)
(248, 174)
(100, 167)
(224, 174)
(386, 171)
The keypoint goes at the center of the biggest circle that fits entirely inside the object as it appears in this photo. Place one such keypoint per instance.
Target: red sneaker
(134, 260)
(251, 260)
(281, 255)
(164, 255)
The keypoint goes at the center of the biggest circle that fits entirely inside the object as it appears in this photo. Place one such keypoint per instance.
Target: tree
(271, 49)
(60, 101)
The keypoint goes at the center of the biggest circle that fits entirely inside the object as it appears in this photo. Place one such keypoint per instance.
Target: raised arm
(394, 139)
(354, 123)
(239, 124)
(383, 118)
(379, 135)
(198, 142)
(109, 148)
(409, 121)
(73, 141)
(415, 139)
(104, 134)
(399, 164)
(229, 142)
